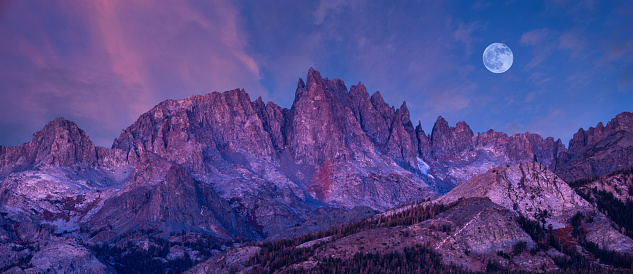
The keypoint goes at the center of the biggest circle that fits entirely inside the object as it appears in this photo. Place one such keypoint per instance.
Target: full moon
(498, 58)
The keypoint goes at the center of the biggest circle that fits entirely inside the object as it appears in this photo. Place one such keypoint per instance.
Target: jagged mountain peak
(610, 153)
(403, 110)
(450, 141)
(440, 119)
(60, 124)
(322, 89)
(440, 126)
(592, 152)
(376, 99)
(232, 167)
(314, 78)
(188, 130)
(301, 84)
(622, 121)
(61, 143)
(589, 137)
(259, 102)
(461, 126)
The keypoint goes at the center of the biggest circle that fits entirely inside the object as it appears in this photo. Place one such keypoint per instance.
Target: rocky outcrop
(598, 151)
(520, 147)
(232, 261)
(424, 144)
(612, 153)
(450, 142)
(320, 128)
(177, 203)
(189, 131)
(226, 166)
(458, 155)
(527, 188)
(473, 229)
(391, 131)
(59, 143)
(533, 191)
(483, 228)
(584, 139)
(619, 184)
(273, 119)
(65, 256)
(346, 143)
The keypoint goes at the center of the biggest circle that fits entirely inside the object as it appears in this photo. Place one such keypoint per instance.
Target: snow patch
(423, 166)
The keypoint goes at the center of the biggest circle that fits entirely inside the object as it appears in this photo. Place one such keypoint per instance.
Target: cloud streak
(103, 63)
(573, 42)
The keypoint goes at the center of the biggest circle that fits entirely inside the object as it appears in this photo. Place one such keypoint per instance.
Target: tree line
(277, 254)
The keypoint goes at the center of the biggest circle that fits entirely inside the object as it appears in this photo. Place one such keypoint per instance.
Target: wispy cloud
(539, 78)
(573, 42)
(618, 49)
(103, 63)
(464, 34)
(480, 5)
(534, 37)
(451, 100)
(551, 122)
(538, 39)
(328, 6)
(625, 79)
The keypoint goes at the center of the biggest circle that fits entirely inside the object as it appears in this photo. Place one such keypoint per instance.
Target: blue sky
(103, 63)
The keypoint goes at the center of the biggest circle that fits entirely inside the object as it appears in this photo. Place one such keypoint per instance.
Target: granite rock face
(268, 165)
(59, 143)
(271, 162)
(458, 155)
(598, 151)
(484, 228)
(469, 234)
(448, 142)
(65, 256)
(527, 188)
(587, 138)
(226, 166)
(533, 191)
(177, 203)
(189, 131)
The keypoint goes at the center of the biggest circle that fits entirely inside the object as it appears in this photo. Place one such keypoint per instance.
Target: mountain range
(193, 177)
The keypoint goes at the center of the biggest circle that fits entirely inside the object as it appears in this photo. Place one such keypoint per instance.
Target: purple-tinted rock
(273, 119)
(448, 142)
(188, 131)
(424, 144)
(59, 143)
(598, 150)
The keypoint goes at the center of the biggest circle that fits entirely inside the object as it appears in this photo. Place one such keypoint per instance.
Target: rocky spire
(449, 141)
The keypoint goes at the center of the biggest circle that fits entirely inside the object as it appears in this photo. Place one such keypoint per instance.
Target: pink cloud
(463, 34)
(537, 38)
(451, 100)
(616, 50)
(573, 42)
(106, 62)
(534, 37)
